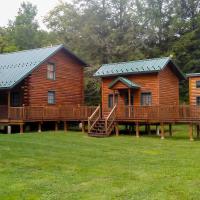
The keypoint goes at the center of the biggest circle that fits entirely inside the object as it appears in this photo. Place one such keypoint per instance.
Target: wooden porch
(102, 125)
(45, 113)
(107, 123)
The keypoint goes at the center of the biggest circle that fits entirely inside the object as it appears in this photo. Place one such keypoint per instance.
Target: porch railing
(109, 120)
(159, 113)
(94, 118)
(34, 113)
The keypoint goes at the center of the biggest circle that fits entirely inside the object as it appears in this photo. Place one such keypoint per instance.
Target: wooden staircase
(101, 126)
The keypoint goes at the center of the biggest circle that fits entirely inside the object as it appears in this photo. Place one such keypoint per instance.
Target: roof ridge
(58, 45)
(141, 60)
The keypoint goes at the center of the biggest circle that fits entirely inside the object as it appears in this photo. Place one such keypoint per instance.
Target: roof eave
(127, 73)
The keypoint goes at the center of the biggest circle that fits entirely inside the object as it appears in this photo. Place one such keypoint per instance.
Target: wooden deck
(44, 113)
(177, 113)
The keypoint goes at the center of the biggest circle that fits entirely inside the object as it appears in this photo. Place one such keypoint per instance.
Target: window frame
(15, 99)
(53, 100)
(110, 101)
(198, 84)
(148, 99)
(51, 72)
(198, 100)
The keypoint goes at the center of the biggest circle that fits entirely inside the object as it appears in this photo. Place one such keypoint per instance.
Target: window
(197, 84)
(198, 101)
(15, 99)
(146, 99)
(110, 100)
(51, 71)
(51, 97)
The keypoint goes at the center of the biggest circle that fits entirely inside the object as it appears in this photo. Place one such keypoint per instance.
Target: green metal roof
(193, 75)
(135, 67)
(126, 81)
(15, 66)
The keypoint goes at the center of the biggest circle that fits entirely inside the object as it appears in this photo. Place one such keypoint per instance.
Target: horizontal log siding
(148, 83)
(168, 87)
(194, 92)
(68, 85)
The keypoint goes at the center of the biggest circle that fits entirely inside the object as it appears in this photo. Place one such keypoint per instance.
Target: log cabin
(36, 85)
(137, 91)
(194, 89)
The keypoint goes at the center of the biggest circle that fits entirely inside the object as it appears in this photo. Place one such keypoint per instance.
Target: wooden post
(21, 129)
(56, 126)
(198, 129)
(191, 131)
(137, 130)
(65, 126)
(170, 129)
(9, 129)
(39, 127)
(149, 129)
(83, 126)
(129, 102)
(116, 129)
(157, 130)
(162, 131)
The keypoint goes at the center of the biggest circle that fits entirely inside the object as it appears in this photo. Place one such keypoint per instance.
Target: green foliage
(103, 31)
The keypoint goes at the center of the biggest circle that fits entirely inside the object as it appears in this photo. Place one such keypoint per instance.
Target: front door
(126, 99)
(129, 110)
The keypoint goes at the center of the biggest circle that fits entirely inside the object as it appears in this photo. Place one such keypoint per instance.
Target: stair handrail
(96, 115)
(110, 118)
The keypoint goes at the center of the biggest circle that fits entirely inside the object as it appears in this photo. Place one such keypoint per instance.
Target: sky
(9, 8)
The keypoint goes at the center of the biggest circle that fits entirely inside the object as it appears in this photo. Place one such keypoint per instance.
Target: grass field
(51, 166)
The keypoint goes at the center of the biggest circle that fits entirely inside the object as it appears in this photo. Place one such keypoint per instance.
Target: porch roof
(16, 66)
(125, 81)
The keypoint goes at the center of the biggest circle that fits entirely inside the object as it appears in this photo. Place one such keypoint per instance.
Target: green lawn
(74, 166)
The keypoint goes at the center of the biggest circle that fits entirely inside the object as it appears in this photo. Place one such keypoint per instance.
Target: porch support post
(149, 129)
(56, 126)
(137, 130)
(39, 127)
(198, 129)
(191, 131)
(21, 128)
(170, 129)
(113, 97)
(9, 129)
(83, 126)
(129, 102)
(116, 129)
(65, 126)
(162, 131)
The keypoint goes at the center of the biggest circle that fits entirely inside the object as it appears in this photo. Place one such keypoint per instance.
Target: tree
(24, 30)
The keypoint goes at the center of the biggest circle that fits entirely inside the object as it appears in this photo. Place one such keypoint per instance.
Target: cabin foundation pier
(21, 128)
(65, 126)
(157, 130)
(83, 126)
(198, 130)
(56, 126)
(39, 127)
(116, 129)
(162, 131)
(191, 132)
(170, 130)
(137, 130)
(9, 129)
